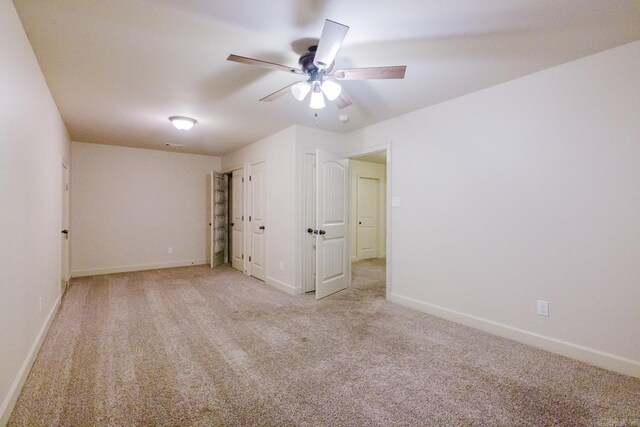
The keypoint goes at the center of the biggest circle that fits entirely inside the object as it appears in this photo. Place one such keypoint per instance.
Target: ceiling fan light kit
(317, 100)
(182, 123)
(317, 63)
(300, 90)
(331, 89)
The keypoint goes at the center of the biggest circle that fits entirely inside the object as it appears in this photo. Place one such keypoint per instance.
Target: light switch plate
(542, 308)
(395, 201)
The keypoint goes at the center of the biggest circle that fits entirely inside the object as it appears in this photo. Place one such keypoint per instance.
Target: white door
(257, 220)
(309, 222)
(332, 255)
(368, 207)
(210, 196)
(64, 227)
(237, 219)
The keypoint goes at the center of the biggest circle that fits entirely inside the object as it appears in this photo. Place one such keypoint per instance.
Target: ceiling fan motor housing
(306, 61)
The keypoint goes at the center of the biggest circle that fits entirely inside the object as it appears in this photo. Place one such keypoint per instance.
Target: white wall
(129, 205)
(528, 190)
(378, 171)
(33, 144)
(278, 150)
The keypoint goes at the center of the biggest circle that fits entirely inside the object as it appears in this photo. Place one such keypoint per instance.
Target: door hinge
(242, 256)
(242, 179)
(249, 259)
(249, 217)
(249, 177)
(243, 217)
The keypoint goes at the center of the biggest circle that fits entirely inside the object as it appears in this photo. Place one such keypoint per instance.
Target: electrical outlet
(542, 308)
(170, 250)
(281, 266)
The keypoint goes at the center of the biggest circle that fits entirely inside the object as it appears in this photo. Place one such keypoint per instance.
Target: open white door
(64, 226)
(332, 255)
(237, 219)
(210, 202)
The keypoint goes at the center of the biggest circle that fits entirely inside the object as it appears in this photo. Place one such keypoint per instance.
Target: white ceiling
(118, 69)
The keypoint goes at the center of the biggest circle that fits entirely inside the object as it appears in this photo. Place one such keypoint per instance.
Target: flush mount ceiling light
(182, 123)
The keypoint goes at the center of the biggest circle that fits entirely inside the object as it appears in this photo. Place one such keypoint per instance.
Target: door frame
(388, 196)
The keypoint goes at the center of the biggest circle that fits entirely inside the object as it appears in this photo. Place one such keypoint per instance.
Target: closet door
(258, 220)
(237, 219)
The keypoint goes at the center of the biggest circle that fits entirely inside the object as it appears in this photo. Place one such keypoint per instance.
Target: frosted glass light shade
(331, 89)
(317, 100)
(182, 123)
(300, 90)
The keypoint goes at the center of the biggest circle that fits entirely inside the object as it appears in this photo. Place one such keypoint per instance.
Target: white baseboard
(592, 356)
(281, 286)
(139, 267)
(14, 392)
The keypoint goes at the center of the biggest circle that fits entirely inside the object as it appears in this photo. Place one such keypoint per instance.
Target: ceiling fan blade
(266, 64)
(342, 101)
(331, 40)
(278, 94)
(394, 72)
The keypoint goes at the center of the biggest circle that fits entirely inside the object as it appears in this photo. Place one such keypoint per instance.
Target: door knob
(65, 231)
(310, 230)
(360, 222)
(232, 224)
(321, 232)
(261, 227)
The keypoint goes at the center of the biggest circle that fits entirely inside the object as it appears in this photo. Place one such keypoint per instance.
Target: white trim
(284, 287)
(574, 351)
(231, 169)
(23, 373)
(138, 267)
(369, 150)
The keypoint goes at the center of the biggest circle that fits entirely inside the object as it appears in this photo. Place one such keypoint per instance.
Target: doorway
(366, 234)
(238, 206)
(218, 241)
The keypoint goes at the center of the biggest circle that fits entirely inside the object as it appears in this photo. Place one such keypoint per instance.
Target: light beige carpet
(195, 346)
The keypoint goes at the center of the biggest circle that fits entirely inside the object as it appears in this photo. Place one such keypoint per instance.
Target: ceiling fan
(318, 64)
